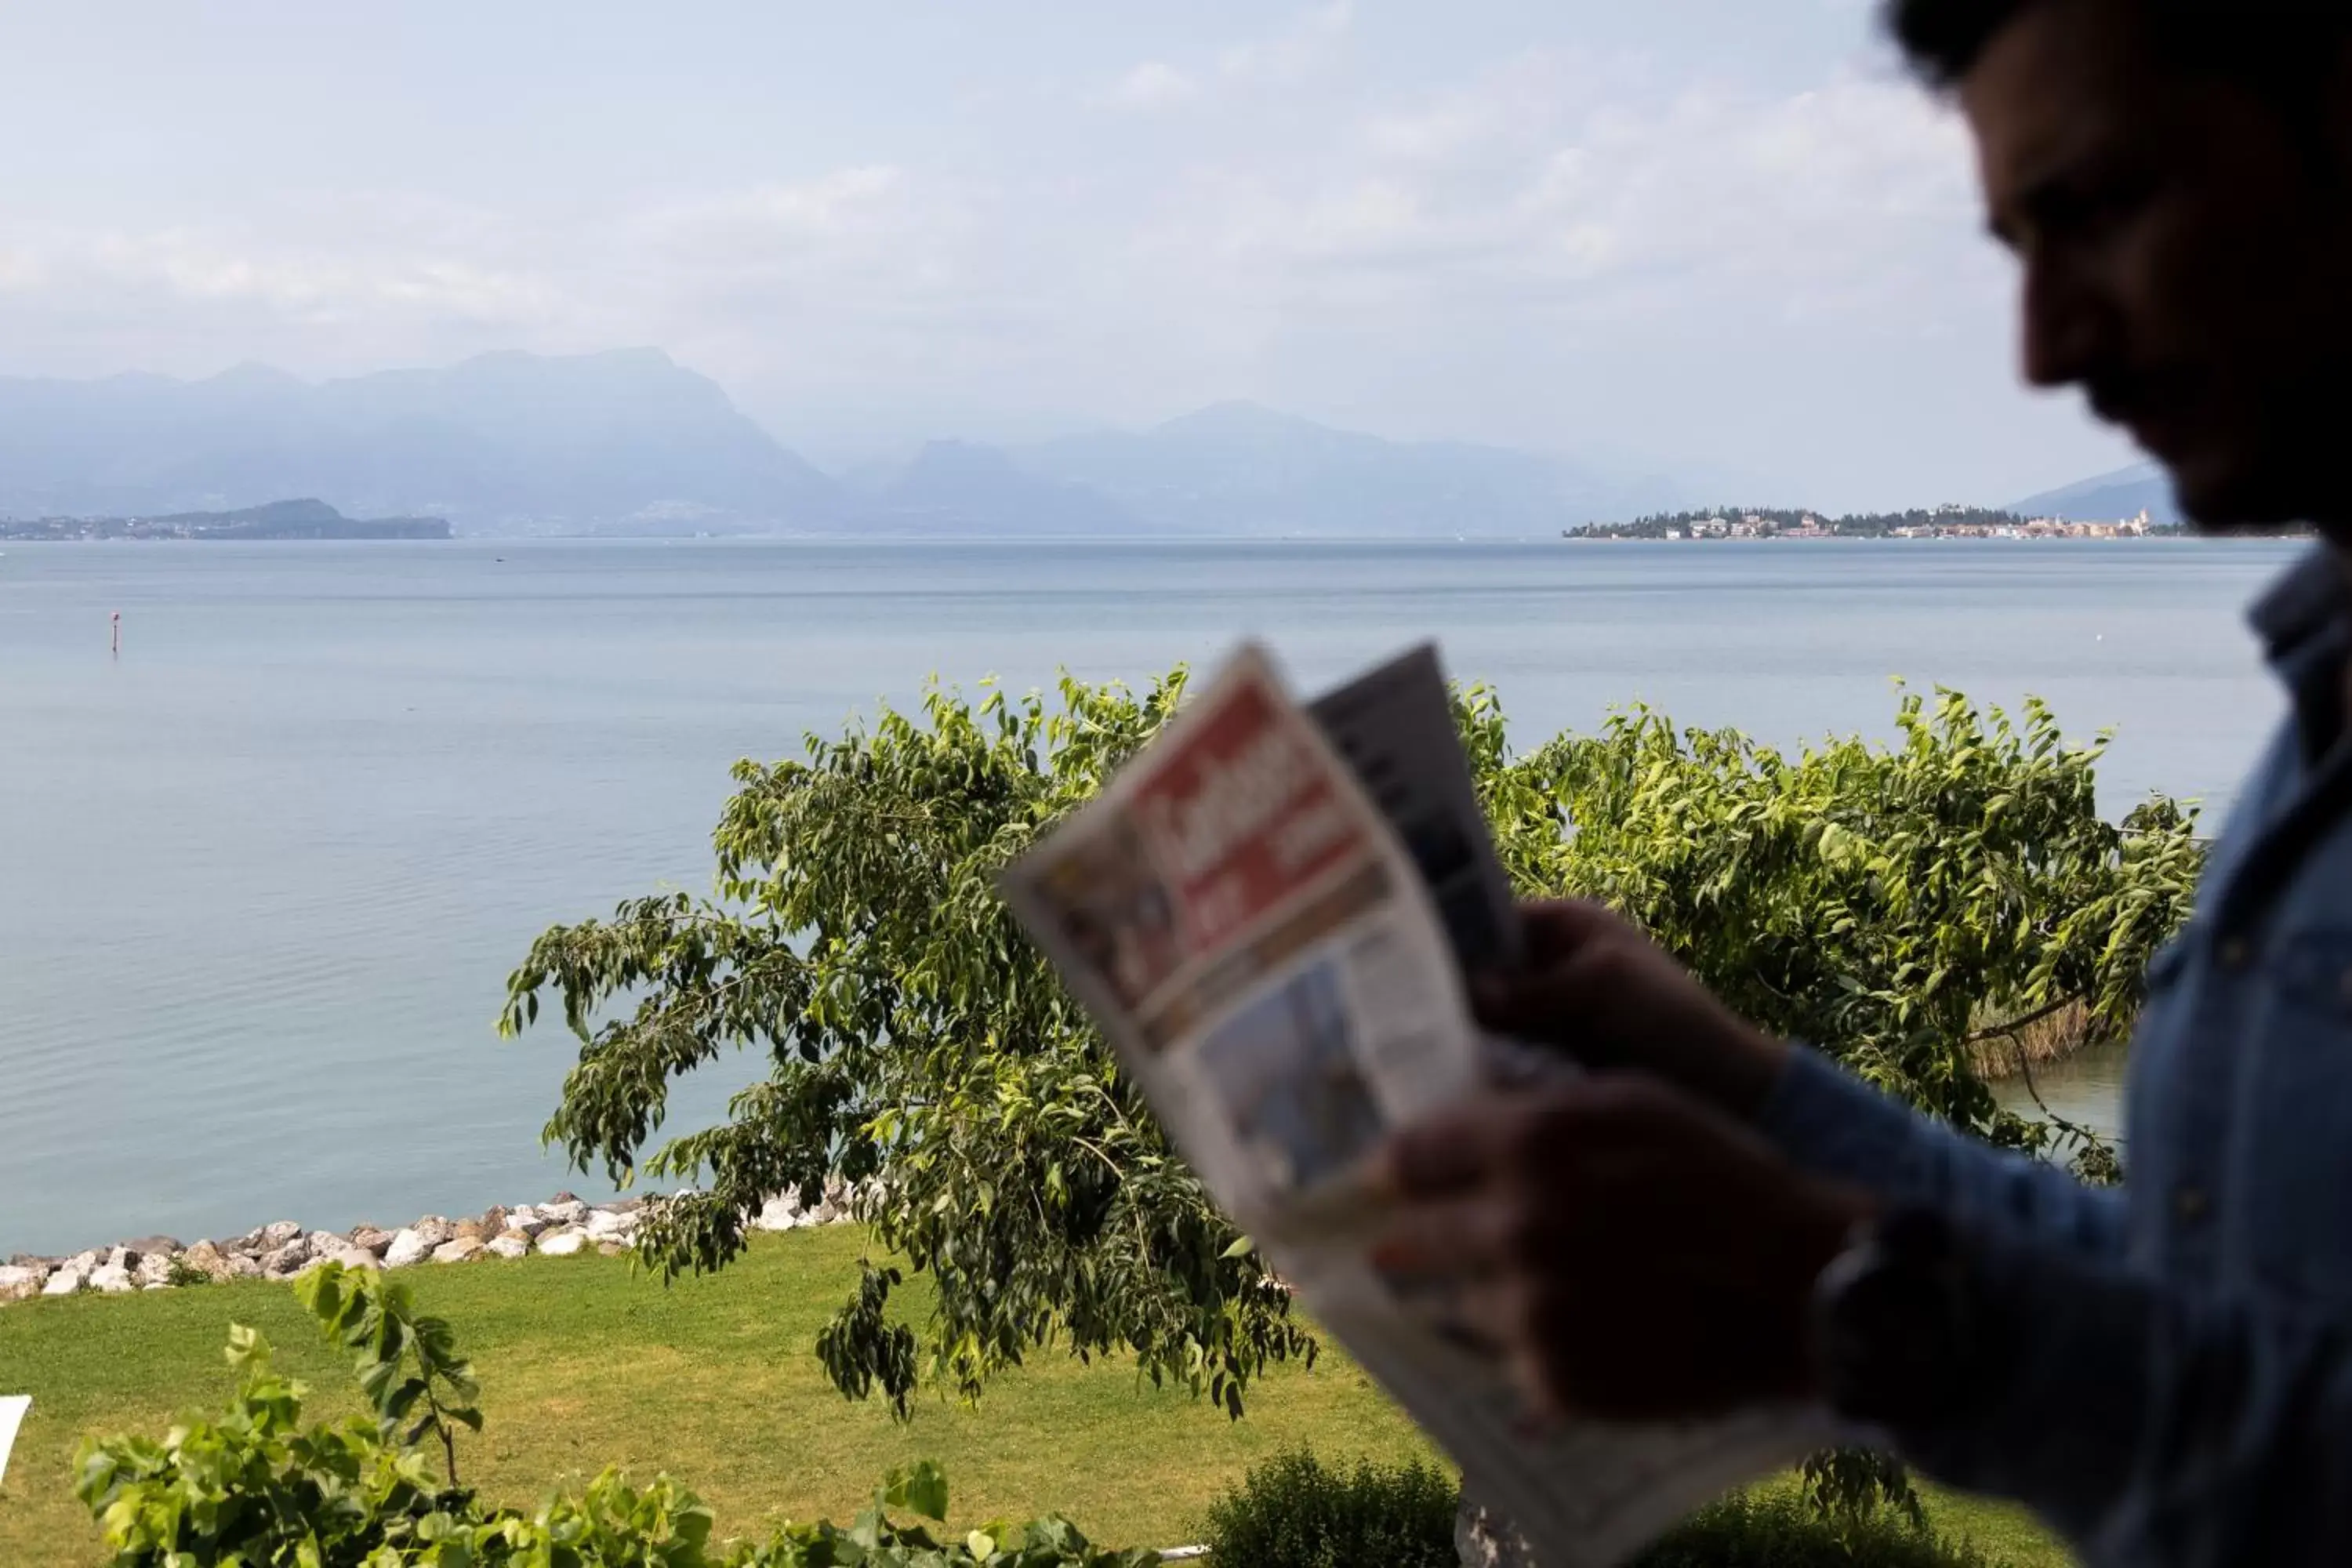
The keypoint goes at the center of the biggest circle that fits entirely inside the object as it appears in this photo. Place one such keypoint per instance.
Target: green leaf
(922, 1487)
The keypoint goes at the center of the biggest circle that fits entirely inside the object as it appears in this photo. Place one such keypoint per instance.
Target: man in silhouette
(1715, 1218)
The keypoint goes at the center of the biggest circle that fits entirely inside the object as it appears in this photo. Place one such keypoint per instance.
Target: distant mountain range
(2109, 498)
(508, 442)
(630, 442)
(1240, 469)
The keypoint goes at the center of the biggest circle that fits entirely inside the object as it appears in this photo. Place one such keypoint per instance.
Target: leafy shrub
(1297, 1512)
(1294, 1512)
(1781, 1530)
(1901, 906)
(183, 1274)
(255, 1488)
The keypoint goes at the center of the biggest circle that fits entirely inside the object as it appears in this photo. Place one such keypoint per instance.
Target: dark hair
(2285, 49)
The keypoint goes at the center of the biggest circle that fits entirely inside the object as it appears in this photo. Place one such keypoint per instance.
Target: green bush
(1299, 1513)
(1294, 1512)
(1781, 1530)
(255, 1488)
(183, 1275)
(1900, 906)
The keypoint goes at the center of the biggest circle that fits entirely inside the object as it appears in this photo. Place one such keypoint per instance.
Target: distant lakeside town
(1940, 522)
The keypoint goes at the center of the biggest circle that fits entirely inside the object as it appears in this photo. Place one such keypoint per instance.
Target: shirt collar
(2314, 595)
(2304, 620)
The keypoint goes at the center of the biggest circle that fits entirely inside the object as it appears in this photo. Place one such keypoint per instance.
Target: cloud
(1283, 57)
(1549, 180)
(20, 270)
(206, 267)
(1294, 51)
(1527, 180)
(1151, 87)
(1478, 252)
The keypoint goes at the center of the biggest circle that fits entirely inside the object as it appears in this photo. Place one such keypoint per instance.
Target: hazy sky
(1713, 232)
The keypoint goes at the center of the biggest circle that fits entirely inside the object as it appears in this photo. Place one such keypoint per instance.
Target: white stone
(113, 1279)
(509, 1244)
(275, 1235)
(529, 1224)
(408, 1246)
(207, 1259)
(565, 1242)
(337, 1251)
(572, 1210)
(240, 1266)
(463, 1249)
(155, 1268)
(66, 1280)
(287, 1261)
(121, 1257)
(84, 1262)
(779, 1215)
(17, 1284)
(606, 1225)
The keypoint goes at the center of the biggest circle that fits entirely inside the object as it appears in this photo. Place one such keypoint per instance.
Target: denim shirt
(2176, 1385)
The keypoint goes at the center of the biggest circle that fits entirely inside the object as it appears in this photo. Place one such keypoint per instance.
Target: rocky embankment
(559, 1227)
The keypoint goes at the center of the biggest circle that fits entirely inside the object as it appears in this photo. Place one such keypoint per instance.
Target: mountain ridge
(2113, 496)
(628, 441)
(496, 443)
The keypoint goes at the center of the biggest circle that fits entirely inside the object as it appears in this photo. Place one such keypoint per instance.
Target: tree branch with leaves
(1878, 901)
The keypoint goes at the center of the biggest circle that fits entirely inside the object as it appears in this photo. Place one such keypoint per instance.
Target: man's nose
(2067, 329)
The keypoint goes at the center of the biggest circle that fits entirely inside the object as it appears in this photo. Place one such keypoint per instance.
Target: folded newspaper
(1270, 911)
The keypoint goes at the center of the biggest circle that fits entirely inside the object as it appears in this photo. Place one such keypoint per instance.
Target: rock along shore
(281, 1250)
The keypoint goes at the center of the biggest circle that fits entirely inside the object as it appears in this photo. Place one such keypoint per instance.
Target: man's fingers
(1433, 1244)
(1449, 1152)
(1557, 929)
(1468, 1146)
(1562, 1001)
(1578, 954)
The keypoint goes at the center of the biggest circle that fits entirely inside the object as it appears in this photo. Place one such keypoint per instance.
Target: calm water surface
(2086, 1089)
(262, 876)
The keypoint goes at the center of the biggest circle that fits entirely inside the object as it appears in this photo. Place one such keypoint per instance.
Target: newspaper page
(12, 1407)
(1268, 913)
(1394, 729)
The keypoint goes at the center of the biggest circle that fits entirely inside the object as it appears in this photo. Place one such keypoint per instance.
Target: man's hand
(1634, 1255)
(1598, 989)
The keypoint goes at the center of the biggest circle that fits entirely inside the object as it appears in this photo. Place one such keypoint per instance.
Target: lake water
(262, 876)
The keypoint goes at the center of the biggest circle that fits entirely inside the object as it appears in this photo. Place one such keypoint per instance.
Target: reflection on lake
(2086, 1088)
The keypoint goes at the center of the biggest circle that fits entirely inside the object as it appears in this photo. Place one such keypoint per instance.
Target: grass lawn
(583, 1365)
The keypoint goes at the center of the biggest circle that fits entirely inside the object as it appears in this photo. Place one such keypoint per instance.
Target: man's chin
(2223, 494)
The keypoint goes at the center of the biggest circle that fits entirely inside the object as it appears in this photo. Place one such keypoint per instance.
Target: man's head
(2175, 177)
